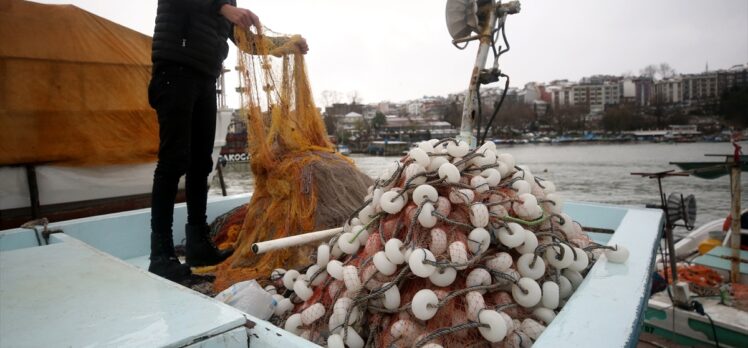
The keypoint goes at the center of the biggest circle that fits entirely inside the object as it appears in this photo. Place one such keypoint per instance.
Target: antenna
(462, 18)
(680, 208)
(469, 20)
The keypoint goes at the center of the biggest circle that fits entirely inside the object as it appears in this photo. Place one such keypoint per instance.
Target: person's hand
(241, 17)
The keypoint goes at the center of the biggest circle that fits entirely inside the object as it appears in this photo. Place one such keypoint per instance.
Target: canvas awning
(73, 88)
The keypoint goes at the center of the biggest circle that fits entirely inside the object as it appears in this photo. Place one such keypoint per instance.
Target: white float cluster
(448, 238)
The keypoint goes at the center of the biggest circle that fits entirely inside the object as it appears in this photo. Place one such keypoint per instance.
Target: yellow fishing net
(301, 183)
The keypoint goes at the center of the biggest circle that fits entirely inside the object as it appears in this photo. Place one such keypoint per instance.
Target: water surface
(593, 173)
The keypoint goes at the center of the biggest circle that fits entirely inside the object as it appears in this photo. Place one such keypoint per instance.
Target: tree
(665, 70)
(734, 106)
(331, 124)
(648, 71)
(621, 118)
(568, 117)
(378, 122)
(363, 130)
(512, 115)
(453, 114)
(355, 97)
(331, 97)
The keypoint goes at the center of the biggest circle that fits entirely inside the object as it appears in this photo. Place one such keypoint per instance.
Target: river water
(592, 173)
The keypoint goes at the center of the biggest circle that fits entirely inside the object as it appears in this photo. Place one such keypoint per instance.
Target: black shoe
(169, 268)
(200, 248)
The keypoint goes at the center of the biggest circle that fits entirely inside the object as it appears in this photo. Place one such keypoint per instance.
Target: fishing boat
(235, 148)
(85, 280)
(344, 150)
(699, 310)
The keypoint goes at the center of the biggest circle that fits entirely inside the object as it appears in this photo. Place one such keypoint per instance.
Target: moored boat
(709, 305)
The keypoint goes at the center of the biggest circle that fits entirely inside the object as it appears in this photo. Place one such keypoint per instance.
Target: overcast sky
(400, 49)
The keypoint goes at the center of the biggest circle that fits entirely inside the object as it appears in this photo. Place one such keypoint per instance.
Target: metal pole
(468, 109)
(33, 190)
(735, 236)
(219, 167)
(668, 236)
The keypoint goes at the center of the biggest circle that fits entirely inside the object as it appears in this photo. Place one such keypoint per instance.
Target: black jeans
(185, 101)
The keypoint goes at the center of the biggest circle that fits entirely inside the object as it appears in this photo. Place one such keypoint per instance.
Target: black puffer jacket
(192, 33)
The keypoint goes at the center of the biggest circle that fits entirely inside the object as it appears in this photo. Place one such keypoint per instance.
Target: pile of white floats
(452, 247)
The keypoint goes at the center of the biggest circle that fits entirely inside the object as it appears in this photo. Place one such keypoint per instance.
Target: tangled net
(301, 183)
(451, 248)
(702, 280)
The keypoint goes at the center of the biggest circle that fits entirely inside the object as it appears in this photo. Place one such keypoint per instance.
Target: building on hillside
(700, 89)
(736, 76)
(533, 92)
(370, 111)
(705, 89)
(414, 108)
(596, 96)
(434, 108)
(669, 91)
(628, 91)
(644, 87)
(599, 79)
(390, 108)
(561, 95)
(350, 121)
(341, 109)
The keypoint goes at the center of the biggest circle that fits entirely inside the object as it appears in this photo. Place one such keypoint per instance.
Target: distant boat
(710, 170)
(387, 148)
(344, 150)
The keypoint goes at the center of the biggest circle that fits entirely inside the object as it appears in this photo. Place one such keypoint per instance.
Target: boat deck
(69, 293)
(88, 287)
(82, 297)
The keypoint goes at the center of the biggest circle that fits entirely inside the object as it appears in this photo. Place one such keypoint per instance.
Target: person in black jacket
(189, 46)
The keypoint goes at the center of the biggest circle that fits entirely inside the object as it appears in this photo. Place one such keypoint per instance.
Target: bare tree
(331, 97)
(648, 71)
(355, 97)
(665, 70)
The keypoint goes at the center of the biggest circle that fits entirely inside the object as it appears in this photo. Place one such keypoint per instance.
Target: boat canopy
(73, 88)
(711, 170)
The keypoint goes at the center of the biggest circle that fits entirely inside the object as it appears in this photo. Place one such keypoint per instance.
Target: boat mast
(491, 16)
(471, 97)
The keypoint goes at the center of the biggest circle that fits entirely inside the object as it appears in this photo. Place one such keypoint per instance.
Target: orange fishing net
(73, 88)
(701, 280)
(301, 183)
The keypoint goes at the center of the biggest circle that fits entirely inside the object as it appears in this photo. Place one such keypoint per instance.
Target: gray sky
(400, 49)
